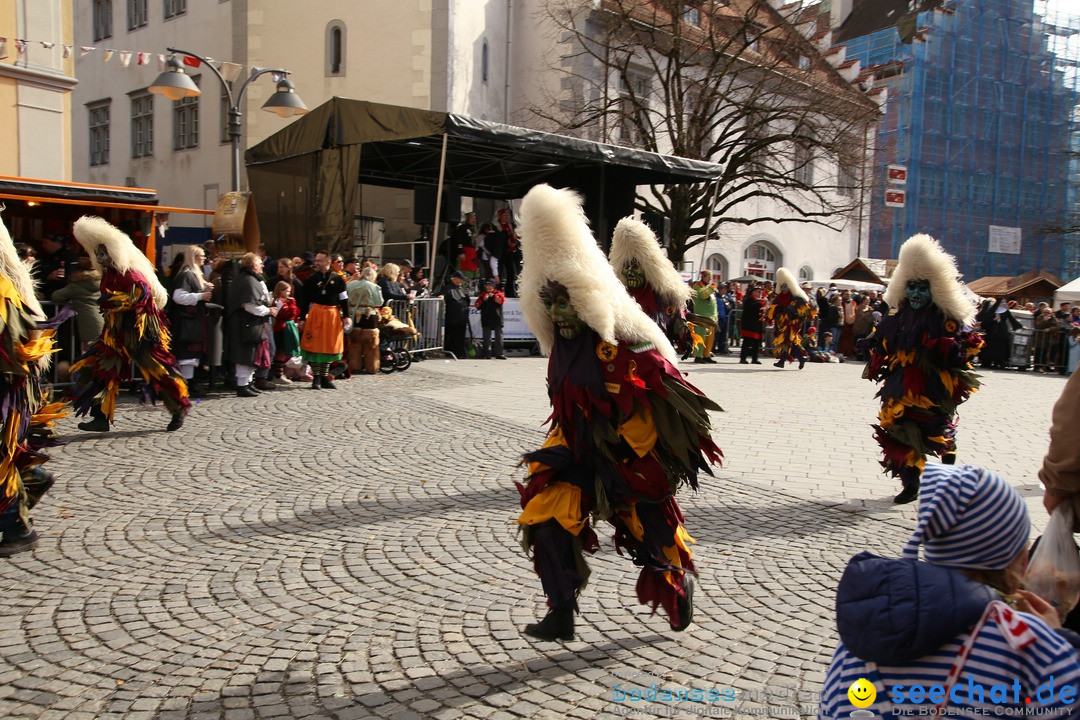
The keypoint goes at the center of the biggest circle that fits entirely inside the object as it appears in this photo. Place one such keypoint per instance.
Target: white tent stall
(1069, 293)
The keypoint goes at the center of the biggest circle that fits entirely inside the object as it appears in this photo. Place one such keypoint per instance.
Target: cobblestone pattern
(353, 554)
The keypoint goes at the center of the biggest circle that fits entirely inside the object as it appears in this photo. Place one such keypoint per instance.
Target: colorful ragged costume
(921, 354)
(789, 312)
(627, 431)
(26, 344)
(136, 331)
(648, 275)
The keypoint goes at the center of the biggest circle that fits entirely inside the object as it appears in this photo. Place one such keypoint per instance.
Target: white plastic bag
(1054, 569)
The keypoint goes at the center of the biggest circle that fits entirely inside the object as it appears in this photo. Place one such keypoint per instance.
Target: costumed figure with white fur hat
(27, 415)
(790, 312)
(136, 331)
(921, 354)
(648, 274)
(627, 431)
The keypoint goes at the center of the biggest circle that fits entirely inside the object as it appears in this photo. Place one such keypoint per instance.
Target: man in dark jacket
(456, 298)
(490, 304)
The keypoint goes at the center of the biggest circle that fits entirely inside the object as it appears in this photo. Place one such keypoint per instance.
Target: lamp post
(174, 84)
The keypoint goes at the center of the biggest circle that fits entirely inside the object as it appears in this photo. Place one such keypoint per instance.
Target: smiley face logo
(862, 693)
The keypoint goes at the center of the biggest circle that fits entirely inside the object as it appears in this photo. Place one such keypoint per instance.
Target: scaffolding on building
(984, 113)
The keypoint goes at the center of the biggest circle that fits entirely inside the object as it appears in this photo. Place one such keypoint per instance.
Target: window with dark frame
(484, 59)
(138, 13)
(99, 132)
(335, 48)
(102, 19)
(804, 164)
(225, 107)
(186, 121)
(174, 8)
(142, 124)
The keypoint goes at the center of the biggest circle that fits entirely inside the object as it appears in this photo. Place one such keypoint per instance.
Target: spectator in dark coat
(249, 311)
(753, 327)
(456, 298)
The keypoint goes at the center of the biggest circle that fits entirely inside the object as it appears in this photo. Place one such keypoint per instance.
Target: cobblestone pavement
(352, 554)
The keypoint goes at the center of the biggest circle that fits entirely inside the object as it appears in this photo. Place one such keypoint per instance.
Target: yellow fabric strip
(558, 501)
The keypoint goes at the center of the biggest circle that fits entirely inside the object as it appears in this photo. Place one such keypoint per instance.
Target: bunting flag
(230, 71)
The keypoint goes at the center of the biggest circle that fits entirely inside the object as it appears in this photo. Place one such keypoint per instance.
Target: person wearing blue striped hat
(953, 632)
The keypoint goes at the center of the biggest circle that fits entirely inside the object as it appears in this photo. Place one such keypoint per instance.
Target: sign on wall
(897, 174)
(1005, 240)
(895, 198)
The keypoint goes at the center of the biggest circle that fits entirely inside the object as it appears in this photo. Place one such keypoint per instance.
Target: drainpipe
(509, 41)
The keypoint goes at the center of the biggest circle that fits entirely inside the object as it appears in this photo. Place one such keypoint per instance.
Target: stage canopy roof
(344, 142)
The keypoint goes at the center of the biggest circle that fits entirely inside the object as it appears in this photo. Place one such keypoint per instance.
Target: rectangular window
(804, 164)
(142, 124)
(186, 121)
(99, 132)
(634, 88)
(174, 8)
(225, 115)
(845, 180)
(692, 15)
(137, 13)
(102, 19)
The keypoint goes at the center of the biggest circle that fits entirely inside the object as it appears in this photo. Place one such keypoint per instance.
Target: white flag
(108, 55)
(3, 48)
(144, 58)
(20, 47)
(230, 71)
(161, 62)
(67, 51)
(125, 58)
(47, 45)
(86, 50)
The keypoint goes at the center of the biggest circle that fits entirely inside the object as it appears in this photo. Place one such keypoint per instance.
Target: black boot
(327, 383)
(909, 477)
(802, 362)
(246, 391)
(558, 624)
(17, 539)
(685, 605)
(779, 364)
(315, 384)
(177, 421)
(99, 424)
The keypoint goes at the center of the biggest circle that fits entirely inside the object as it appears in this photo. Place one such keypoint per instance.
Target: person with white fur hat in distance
(627, 431)
(136, 331)
(647, 273)
(789, 312)
(921, 354)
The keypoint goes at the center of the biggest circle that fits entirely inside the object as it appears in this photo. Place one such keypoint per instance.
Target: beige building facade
(35, 89)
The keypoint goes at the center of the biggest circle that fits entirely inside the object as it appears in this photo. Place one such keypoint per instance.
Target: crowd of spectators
(488, 259)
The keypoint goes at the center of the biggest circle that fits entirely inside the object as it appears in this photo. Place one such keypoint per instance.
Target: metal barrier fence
(428, 316)
(1049, 349)
(67, 342)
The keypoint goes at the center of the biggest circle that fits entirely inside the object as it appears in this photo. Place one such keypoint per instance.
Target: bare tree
(730, 81)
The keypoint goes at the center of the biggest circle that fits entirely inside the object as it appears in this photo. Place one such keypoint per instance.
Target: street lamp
(176, 85)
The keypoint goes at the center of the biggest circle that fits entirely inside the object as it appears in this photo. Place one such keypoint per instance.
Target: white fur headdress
(784, 277)
(91, 232)
(18, 273)
(557, 246)
(922, 258)
(633, 240)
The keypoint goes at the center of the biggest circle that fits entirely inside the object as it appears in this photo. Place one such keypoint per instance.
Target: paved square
(353, 554)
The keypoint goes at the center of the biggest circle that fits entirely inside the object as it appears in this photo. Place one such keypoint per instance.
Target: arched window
(761, 258)
(806, 274)
(719, 266)
(335, 48)
(484, 58)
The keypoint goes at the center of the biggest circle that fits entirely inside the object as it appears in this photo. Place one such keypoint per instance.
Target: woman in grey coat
(249, 310)
(82, 291)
